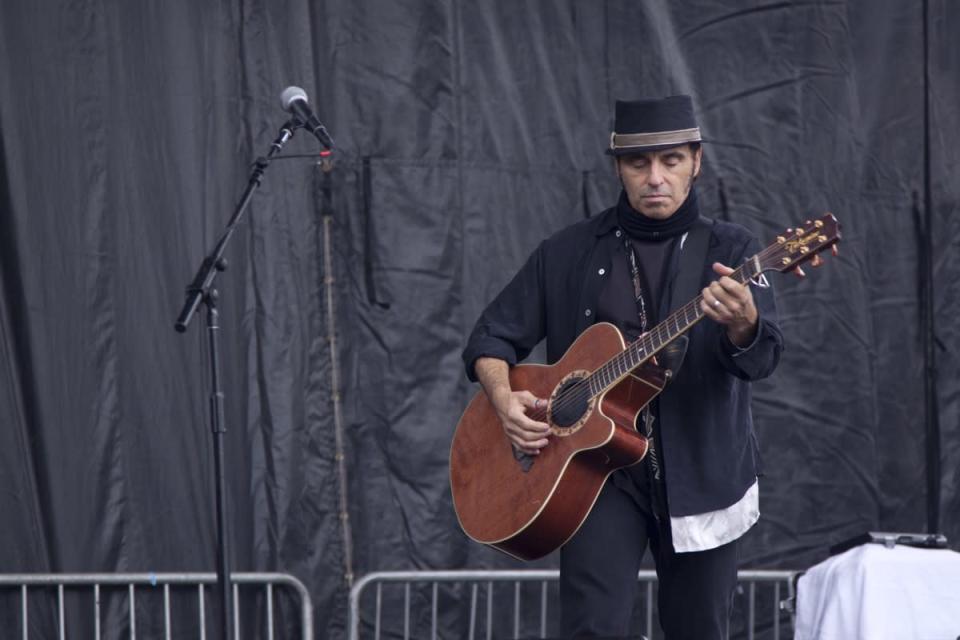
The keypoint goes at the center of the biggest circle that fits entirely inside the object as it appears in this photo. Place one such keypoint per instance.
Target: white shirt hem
(703, 531)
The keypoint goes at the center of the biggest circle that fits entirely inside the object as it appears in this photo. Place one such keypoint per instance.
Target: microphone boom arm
(202, 284)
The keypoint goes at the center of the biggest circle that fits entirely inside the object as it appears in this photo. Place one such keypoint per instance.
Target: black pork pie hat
(648, 125)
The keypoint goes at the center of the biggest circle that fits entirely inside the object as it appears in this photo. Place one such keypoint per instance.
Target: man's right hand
(512, 407)
(526, 434)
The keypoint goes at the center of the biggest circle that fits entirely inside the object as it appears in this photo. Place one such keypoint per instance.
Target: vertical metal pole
(24, 611)
(516, 610)
(166, 611)
(236, 612)
(543, 609)
(133, 612)
(473, 611)
(376, 622)
(96, 611)
(776, 610)
(63, 631)
(490, 610)
(203, 612)
(218, 428)
(649, 609)
(270, 611)
(931, 400)
(406, 611)
(433, 612)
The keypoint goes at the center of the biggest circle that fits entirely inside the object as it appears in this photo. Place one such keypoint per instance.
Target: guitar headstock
(802, 244)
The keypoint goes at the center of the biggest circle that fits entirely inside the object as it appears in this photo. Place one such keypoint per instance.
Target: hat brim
(633, 150)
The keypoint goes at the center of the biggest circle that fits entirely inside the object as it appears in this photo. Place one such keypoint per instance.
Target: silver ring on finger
(716, 303)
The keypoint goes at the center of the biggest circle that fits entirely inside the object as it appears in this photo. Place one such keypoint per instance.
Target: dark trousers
(598, 575)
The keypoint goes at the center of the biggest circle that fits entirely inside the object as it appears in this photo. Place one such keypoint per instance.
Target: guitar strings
(580, 393)
(642, 348)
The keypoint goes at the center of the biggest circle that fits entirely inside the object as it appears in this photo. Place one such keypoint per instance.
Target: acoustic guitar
(528, 506)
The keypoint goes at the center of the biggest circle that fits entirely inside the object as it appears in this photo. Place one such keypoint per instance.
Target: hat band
(629, 140)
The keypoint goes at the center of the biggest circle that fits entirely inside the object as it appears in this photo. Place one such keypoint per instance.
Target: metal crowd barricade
(99, 582)
(782, 583)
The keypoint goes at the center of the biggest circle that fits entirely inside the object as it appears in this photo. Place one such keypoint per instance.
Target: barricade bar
(751, 577)
(60, 581)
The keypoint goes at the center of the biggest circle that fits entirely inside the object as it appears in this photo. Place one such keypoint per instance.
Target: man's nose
(655, 177)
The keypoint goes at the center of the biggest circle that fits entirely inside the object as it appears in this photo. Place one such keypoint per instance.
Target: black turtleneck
(640, 227)
(653, 242)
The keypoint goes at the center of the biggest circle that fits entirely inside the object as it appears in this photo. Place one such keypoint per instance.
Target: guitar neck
(647, 345)
(793, 247)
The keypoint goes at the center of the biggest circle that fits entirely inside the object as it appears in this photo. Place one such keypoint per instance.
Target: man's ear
(697, 160)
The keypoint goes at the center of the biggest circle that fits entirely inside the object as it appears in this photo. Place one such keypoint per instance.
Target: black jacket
(707, 442)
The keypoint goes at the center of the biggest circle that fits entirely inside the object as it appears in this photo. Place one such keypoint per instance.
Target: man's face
(657, 182)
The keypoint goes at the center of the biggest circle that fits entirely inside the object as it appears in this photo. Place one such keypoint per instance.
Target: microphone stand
(201, 290)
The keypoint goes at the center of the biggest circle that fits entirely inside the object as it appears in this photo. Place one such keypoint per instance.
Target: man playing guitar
(695, 493)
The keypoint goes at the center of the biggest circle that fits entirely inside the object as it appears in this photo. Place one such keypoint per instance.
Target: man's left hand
(730, 303)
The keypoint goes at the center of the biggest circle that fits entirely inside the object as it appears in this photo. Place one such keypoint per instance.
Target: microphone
(294, 100)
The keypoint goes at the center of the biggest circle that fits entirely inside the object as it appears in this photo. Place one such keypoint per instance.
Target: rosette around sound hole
(570, 402)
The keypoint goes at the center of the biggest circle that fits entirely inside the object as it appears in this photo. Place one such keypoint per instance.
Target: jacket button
(618, 233)
(587, 313)
(602, 271)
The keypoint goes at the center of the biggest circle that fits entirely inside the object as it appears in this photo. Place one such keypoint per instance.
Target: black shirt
(617, 304)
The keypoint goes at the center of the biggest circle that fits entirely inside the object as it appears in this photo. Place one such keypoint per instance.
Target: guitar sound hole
(570, 403)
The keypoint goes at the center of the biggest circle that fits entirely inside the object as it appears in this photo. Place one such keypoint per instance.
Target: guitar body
(528, 506)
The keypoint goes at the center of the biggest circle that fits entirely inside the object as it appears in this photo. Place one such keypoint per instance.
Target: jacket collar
(607, 222)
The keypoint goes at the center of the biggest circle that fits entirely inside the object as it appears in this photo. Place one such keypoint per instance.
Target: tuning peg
(800, 273)
(835, 250)
(816, 261)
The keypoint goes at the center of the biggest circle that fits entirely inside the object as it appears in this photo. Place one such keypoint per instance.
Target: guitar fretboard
(647, 345)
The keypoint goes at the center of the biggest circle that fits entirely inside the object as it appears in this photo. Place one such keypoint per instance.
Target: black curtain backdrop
(469, 131)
